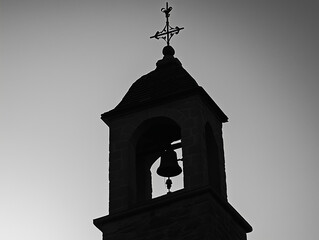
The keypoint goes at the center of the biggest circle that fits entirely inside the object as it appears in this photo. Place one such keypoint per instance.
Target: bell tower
(163, 111)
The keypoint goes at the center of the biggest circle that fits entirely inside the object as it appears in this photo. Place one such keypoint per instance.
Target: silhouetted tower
(162, 111)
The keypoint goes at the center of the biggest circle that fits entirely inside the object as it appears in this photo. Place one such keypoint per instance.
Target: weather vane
(168, 31)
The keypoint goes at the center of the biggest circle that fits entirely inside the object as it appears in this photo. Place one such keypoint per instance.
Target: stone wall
(182, 216)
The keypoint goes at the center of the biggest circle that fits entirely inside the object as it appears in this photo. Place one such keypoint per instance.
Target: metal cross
(168, 31)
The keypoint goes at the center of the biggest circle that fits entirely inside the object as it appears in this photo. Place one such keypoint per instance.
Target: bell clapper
(169, 185)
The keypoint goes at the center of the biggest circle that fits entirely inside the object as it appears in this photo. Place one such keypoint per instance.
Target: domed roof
(169, 78)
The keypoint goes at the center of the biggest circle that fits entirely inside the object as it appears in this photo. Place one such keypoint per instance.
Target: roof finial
(168, 31)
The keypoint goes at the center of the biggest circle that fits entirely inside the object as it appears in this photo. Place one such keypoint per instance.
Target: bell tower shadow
(163, 111)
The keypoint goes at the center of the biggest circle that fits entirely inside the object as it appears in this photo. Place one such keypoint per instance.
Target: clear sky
(64, 62)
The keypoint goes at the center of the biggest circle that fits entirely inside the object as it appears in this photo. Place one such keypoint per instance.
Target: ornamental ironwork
(168, 31)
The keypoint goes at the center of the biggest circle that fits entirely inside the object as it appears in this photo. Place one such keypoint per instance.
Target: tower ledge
(168, 208)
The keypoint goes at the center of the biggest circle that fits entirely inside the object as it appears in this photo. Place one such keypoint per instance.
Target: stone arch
(150, 139)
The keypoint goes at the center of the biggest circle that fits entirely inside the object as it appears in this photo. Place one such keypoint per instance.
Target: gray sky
(64, 62)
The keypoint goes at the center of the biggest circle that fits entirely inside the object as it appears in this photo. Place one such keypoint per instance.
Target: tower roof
(169, 80)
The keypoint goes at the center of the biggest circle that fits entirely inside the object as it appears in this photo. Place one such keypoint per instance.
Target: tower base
(188, 215)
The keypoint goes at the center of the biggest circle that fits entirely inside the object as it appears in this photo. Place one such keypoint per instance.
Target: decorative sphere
(168, 51)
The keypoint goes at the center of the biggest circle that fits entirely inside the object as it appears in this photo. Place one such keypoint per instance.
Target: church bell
(169, 166)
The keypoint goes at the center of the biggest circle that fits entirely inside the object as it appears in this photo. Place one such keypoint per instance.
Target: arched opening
(213, 161)
(154, 137)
